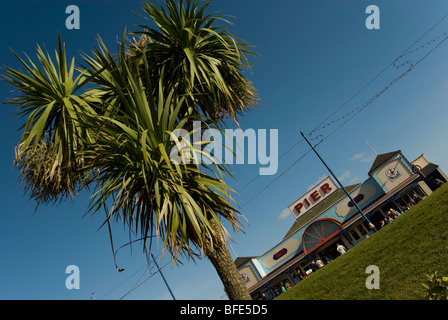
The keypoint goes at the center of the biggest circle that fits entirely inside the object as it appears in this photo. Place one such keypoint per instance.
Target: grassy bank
(413, 245)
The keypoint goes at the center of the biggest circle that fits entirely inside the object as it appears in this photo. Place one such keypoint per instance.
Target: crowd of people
(392, 214)
(315, 265)
(277, 290)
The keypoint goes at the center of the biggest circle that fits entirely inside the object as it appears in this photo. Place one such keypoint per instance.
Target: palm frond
(198, 57)
(52, 132)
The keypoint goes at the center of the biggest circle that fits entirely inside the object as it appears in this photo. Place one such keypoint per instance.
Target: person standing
(264, 296)
(439, 182)
(313, 265)
(341, 249)
(319, 263)
(283, 287)
(416, 198)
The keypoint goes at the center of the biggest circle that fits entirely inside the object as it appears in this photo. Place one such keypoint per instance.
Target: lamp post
(164, 280)
(340, 184)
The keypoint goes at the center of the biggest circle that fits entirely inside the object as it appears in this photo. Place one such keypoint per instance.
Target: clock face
(245, 277)
(392, 173)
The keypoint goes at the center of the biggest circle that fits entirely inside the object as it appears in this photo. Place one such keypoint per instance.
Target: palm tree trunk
(220, 257)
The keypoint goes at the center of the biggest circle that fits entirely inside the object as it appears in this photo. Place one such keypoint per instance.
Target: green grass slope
(413, 245)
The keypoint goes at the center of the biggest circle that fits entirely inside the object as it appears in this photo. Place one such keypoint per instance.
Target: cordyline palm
(198, 58)
(177, 202)
(117, 137)
(48, 97)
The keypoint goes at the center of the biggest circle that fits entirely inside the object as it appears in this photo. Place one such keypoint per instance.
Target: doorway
(330, 250)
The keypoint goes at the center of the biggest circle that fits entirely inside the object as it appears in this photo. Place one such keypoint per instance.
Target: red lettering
(298, 207)
(280, 254)
(315, 196)
(325, 187)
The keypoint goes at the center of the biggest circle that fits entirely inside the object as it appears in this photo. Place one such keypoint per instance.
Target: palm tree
(198, 57)
(178, 202)
(116, 138)
(48, 97)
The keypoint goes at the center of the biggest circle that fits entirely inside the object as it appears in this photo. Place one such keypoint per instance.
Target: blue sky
(312, 57)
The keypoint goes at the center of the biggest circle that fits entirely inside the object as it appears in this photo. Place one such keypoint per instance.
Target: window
(362, 230)
(319, 232)
(354, 235)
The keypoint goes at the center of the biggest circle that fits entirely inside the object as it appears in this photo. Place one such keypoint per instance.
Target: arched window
(319, 232)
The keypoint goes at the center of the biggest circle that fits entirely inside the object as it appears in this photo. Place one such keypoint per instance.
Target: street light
(340, 184)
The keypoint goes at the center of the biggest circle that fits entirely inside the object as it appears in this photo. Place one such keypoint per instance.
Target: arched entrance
(319, 232)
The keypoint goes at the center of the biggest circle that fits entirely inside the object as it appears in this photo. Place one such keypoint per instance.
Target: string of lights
(394, 64)
(348, 117)
(437, 41)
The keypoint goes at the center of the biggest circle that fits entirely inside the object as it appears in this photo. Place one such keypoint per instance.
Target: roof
(429, 168)
(319, 208)
(242, 260)
(382, 158)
